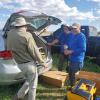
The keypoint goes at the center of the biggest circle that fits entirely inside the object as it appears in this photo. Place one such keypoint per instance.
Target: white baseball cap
(75, 25)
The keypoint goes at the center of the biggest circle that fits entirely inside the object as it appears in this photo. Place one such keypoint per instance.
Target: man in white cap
(26, 53)
(76, 51)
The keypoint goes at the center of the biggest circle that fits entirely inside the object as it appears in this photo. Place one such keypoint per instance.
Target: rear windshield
(38, 22)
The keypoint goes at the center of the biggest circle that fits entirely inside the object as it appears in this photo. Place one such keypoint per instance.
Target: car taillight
(5, 54)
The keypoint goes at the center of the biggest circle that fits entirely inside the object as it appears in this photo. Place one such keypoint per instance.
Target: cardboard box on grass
(55, 78)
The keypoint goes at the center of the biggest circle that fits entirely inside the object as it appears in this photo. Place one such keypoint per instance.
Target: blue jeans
(74, 67)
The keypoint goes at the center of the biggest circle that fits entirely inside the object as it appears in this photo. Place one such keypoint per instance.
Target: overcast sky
(87, 12)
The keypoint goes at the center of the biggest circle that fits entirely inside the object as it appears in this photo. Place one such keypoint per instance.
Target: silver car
(9, 71)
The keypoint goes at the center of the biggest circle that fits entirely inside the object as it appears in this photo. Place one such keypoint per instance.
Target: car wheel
(98, 60)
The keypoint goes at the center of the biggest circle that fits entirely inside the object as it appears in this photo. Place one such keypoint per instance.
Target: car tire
(98, 60)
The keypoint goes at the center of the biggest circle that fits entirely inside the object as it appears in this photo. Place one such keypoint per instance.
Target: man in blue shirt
(76, 51)
(61, 38)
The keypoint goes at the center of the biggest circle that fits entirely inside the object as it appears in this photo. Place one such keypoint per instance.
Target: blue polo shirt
(63, 39)
(77, 43)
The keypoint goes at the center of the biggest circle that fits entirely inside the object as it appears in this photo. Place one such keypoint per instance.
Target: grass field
(45, 91)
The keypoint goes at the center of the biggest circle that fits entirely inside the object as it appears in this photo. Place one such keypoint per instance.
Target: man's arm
(53, 42)
(34, 51)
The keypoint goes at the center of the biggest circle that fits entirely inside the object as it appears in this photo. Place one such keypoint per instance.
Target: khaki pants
(30, 85)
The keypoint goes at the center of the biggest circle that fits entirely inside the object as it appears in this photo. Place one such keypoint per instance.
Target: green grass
(45, 91)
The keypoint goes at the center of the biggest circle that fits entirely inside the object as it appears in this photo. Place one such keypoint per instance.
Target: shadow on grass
(48, 97)
(7, 91)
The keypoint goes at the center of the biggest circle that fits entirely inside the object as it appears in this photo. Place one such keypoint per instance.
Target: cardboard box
(55, 78)
(95, 77)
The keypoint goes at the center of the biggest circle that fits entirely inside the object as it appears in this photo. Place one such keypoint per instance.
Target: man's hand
(68, 52)
(49, 44)
(45, 65)
(53, 42)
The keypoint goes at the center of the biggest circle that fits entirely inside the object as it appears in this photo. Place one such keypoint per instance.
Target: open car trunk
(9, 71)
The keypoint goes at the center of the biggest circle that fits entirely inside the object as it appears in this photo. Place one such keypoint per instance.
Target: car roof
(30, 13)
